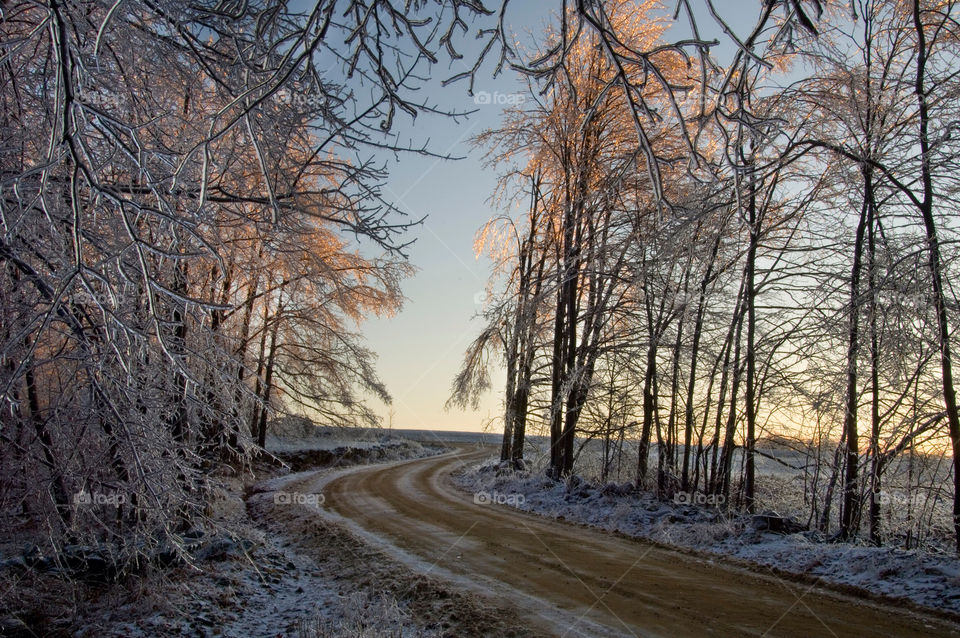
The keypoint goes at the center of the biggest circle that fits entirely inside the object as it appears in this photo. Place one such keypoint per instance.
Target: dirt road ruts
(580, 581)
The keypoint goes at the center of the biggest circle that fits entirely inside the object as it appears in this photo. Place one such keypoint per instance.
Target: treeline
(715, 253)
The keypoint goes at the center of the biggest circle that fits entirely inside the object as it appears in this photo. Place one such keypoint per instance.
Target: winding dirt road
(577, 581)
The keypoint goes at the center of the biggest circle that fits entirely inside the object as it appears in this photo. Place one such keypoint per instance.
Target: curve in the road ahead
(582, 581)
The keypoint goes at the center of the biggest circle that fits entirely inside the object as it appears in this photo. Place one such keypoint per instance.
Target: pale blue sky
(420, 350)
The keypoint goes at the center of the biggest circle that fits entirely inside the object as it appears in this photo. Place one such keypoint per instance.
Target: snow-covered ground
(926, 579)
(293, 434)
(281, 446)
(263, 584)
(916, 500)
(252, 575)
(267, 569)
(303, 447)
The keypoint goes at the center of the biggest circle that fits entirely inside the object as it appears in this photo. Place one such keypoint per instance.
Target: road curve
(578, 581)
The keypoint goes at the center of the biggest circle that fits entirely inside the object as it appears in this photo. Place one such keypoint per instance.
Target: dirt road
(577, 581)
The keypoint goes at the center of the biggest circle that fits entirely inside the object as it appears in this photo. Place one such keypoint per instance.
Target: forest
(696, 260)
(767, 274)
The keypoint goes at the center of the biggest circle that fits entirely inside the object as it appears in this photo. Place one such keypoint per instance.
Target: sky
(421, 348)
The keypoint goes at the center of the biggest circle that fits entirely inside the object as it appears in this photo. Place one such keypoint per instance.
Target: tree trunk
(694, 356)
(258, 374)
(936, 269)
(556, 400)
(729, 437)
(510, 407)
(672, 437)
(268, 376)
(751, 356)
(876, 463)
(849, 508)
(649, 404)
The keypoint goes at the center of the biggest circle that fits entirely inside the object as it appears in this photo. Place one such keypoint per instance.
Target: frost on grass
(364, 615)
(237, 576)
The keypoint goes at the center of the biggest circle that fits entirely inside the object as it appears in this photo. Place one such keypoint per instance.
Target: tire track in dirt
(580, 581)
